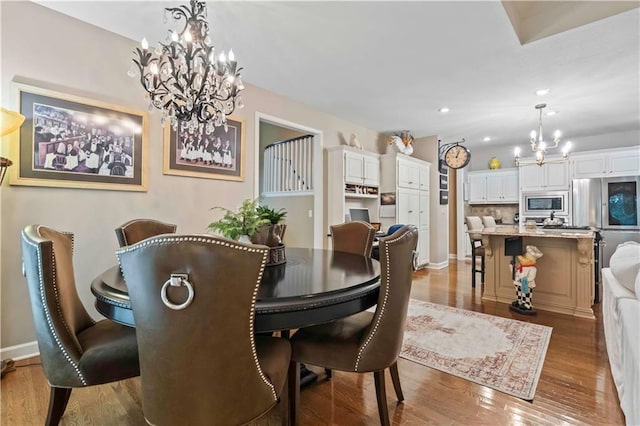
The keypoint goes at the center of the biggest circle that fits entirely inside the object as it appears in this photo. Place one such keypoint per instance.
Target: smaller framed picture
(444, 181)
(388, 198)
(444, 170)
(219, 155)
(444, 198)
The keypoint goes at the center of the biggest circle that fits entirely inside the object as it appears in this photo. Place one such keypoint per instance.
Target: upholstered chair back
(198, 357)
(137, 230)
(382, 342)
(75, 350)
(353, 237)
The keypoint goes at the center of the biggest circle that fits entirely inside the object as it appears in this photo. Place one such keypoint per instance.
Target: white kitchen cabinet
(610, 163)
(361, 168)
(548, 177)
(353, 178)
(408, 174)
(493, 187)
(408, 178)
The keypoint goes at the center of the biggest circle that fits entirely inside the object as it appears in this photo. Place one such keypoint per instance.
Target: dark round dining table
(314, 286)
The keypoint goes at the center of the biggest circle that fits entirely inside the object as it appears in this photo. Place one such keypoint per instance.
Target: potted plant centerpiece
(272, 233)
(241, 225)
(254, 224)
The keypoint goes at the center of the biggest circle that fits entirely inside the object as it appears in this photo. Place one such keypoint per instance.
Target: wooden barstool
(474, 223)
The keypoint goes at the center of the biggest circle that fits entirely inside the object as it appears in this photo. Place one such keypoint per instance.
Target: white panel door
(424, 208)
(353, 168)
(408, 174)
(495, 188)
(624, 164)
(532, 178)
(371, 171)
(477, 188)
(423, 246)
(556, 176)
(587, 167)
(510, 187)
(423, 177)
(408, 207)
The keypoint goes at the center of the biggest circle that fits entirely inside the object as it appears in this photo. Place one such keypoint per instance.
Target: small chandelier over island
(539, 146)
(186, 78)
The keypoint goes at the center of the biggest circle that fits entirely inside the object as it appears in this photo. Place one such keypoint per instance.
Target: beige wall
(48, 49)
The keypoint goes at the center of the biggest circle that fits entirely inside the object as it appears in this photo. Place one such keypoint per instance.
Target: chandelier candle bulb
(144, 43)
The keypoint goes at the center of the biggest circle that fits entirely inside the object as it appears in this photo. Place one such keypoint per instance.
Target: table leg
(306, 376)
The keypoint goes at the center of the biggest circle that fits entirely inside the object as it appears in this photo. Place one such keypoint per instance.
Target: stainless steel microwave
(543, 203)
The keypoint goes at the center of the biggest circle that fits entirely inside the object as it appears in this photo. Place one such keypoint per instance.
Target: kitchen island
(564, 281)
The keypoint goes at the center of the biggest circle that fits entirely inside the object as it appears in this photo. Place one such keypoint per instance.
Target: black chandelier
(185, 79)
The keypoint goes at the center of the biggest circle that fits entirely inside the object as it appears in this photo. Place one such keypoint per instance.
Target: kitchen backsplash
(504, 212)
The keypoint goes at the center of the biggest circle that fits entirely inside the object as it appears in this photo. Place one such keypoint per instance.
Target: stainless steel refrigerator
(611, 205)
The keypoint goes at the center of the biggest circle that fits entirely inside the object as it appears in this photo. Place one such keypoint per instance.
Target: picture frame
(444, 198)
(219, 155)
(69, 141)
(444, 181)
(442, 167)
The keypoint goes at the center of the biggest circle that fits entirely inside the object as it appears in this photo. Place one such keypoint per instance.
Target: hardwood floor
(575, 385)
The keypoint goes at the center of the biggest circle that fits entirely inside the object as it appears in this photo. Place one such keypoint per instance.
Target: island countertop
(565, 273)
(512, 231)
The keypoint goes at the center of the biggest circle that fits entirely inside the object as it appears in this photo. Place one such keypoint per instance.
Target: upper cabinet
(621, 162)
(361, 168)
(548, 177)
(408, 174)
(493, 187)
(353, 178)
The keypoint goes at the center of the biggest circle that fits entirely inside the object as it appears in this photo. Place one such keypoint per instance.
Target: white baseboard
(453, 256)
(18, 352)
(440, 265)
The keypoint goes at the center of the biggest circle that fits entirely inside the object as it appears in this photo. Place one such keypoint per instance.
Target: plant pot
(244, 239)
(277, 256)
(269, 235)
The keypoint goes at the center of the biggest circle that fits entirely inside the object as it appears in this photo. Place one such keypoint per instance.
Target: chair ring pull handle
(177, 280)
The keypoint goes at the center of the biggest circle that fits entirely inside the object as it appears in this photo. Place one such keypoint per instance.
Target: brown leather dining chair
(75, 350)
(193, 299)
(474, 223)
(137, 230)
(367, 341)
(353, 237)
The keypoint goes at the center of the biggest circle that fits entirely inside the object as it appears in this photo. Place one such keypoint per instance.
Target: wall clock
(457, 156)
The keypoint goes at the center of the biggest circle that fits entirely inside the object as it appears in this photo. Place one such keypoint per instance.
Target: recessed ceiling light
(551, 113)
(444, 110)
(542, 92)
(486, 139)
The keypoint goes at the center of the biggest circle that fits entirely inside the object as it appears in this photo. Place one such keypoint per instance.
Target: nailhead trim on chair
(46, 310)
(210, 240)
(384, 301)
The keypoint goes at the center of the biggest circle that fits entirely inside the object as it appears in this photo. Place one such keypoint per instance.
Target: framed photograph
(387, 198)
(444, 198)
(219, 155)
(442, 166)
(444, 181)
(72, 142)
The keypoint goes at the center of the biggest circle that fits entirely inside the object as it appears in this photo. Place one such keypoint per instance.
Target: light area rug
(503, 354)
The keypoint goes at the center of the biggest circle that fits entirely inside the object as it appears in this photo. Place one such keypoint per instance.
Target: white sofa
(621, 317)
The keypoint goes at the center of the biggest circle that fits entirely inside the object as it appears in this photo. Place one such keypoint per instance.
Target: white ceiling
(389, 66)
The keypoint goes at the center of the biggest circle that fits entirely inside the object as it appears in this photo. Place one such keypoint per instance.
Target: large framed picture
(218, 155)
(71, 142)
